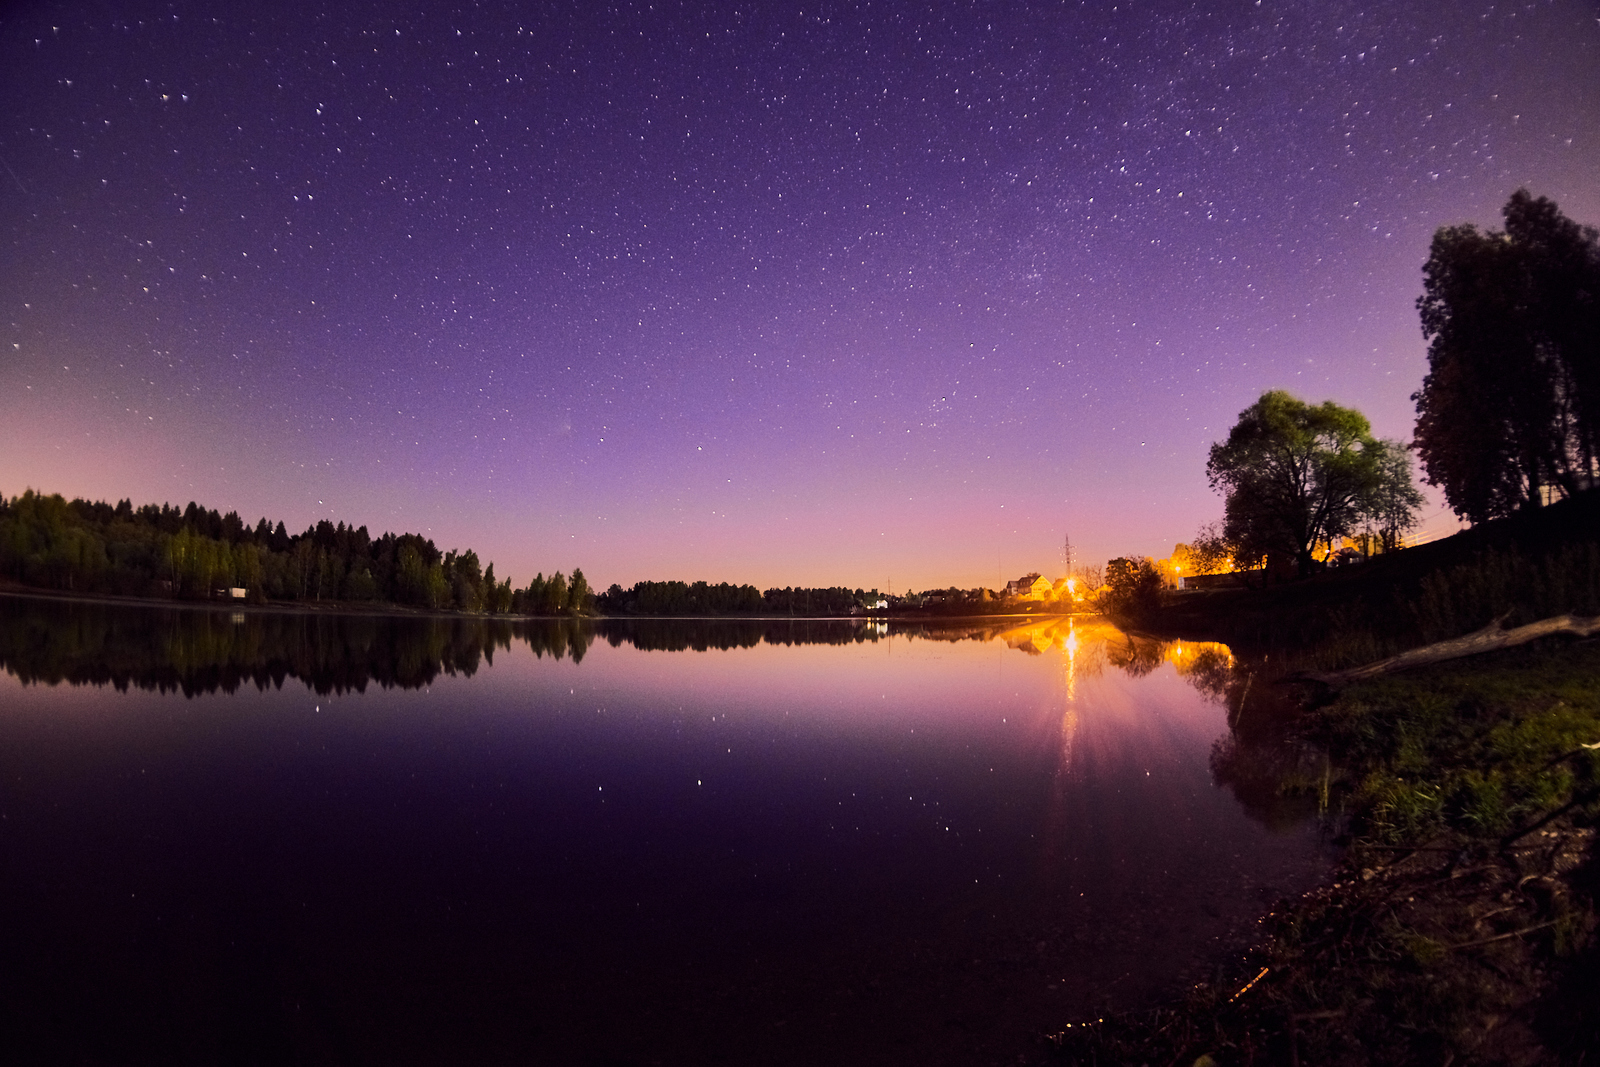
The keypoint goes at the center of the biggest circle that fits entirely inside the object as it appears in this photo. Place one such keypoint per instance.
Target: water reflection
(200, 651)
(1089, 645)
(194, 651)
(836, 843)
(1280, 779)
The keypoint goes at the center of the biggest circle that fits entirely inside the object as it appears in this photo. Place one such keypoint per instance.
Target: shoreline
(356, 608)
(1459, 921)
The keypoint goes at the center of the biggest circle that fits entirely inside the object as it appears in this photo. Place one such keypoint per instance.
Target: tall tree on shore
(1294, 476)
(1510, 407)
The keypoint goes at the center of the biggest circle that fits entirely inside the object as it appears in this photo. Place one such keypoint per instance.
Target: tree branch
(1489, 639)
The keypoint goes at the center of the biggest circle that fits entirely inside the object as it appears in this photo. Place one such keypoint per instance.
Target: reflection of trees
(202, 651)
(701, 635)
(1210, 670)
(195, 651)
(1278, 782)
(1278, 779)
(556, 637)
(952, 633)
(1135, 656)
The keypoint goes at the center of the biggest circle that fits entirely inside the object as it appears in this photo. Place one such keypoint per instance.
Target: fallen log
(1489, 639)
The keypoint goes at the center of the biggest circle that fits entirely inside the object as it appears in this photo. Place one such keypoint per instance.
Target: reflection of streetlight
(1069, 717)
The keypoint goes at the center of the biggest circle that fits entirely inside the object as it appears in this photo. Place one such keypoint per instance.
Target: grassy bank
(1461, 927)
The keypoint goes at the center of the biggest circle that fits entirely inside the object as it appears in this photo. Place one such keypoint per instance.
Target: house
(1029, 587)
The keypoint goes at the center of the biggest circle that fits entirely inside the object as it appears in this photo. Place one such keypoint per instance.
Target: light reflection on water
(806, 843)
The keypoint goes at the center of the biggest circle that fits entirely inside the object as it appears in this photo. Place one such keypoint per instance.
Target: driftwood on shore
(1489, 639)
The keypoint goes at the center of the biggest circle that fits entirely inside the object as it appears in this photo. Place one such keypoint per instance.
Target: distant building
(1029, 587)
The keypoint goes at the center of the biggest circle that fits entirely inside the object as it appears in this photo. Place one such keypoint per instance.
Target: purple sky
(784, 294)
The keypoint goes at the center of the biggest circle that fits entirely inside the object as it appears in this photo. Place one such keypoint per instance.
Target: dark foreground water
(273, 838)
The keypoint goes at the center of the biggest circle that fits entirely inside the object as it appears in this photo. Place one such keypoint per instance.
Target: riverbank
(1460, 927)
(1526, 567)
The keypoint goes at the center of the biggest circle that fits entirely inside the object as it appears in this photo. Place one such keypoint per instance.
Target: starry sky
(871, 294)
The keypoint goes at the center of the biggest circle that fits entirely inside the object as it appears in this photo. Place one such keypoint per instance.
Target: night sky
(806, 293)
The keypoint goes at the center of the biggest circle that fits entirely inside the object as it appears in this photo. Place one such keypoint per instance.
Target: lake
(262, 837)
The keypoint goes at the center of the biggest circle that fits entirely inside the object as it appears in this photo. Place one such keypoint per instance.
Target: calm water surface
(287, 838)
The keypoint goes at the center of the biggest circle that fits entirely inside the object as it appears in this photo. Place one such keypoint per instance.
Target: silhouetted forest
(197, 554)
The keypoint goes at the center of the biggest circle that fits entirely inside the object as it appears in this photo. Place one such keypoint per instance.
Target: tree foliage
(1133, 588)
(1294, 476)
(1394, 502)
(191, 553)
(1210, 552)
(1510, 407)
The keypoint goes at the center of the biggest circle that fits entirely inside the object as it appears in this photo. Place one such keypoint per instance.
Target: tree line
(193, 553)
(689, 599)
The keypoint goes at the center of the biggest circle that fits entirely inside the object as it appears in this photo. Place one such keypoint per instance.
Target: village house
(1029, 587)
